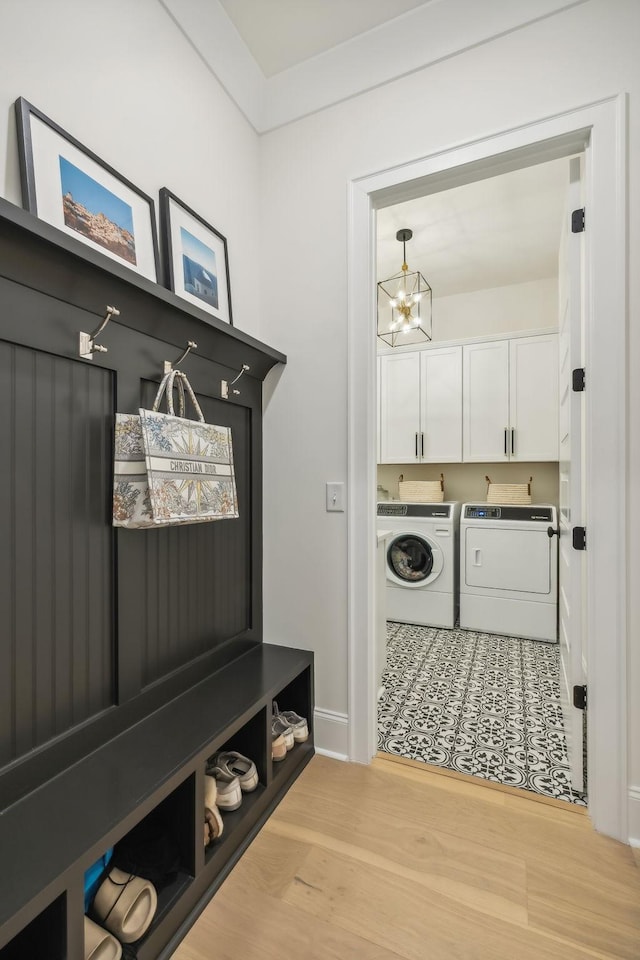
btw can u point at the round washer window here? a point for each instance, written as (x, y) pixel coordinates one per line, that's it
(410, 558)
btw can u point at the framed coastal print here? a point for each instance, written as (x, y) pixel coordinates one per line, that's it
(71, 188)
(195, 257)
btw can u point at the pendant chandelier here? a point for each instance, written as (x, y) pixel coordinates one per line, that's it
(404, 304)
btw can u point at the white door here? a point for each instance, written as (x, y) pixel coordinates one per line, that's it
(400, 408)
(571, 566)
(533, 394)
(441, 405)
(486, 401)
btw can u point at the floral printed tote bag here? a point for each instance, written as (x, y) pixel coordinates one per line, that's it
(170, 470)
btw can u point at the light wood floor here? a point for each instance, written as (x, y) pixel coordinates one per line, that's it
(391, 862)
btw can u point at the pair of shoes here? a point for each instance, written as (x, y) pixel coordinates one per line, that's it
(298, 724)
(229, 774)
(125, 905)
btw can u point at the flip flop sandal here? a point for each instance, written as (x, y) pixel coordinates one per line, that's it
(125, 905)
(99, 944)
(230, 764)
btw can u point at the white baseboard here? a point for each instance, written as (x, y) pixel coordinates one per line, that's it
(634, 816)
(331, 734)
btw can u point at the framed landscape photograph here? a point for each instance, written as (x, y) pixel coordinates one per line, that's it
(71, 188)
(195, 256)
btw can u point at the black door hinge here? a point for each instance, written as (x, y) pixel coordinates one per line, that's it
(580, 697)
(577, 380)
(577, 220)
(579, 538)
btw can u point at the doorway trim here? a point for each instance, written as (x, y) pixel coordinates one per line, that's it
(599, 130)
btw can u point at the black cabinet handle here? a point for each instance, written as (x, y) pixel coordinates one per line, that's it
(513, 440)
(553, 532)
(505, 441)
(416, 446)
(422, 445)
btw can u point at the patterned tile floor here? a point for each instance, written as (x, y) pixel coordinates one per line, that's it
(476, 703)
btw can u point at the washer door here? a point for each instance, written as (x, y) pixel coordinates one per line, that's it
(413, 560)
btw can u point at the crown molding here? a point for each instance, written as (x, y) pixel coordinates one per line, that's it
(426, 35)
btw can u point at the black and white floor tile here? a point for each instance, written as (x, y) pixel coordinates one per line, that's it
(476, 703)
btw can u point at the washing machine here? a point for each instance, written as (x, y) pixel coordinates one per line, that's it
(509, 570)
(421, 561)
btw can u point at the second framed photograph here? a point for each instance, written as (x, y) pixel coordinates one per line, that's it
(196, 260)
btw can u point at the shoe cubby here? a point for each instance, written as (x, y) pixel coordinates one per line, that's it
(160, 848)
(249, 740)
(297, 695)
(45, 936)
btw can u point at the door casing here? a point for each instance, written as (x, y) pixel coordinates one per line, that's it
(599, 130)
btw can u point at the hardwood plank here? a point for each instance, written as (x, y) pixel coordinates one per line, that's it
(395, 912)
(436, 805)
(243, 922)
(274, 861)
(595, 915)
(492, 885)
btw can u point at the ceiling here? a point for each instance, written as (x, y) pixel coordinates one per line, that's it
(280, 60)
(490, 233)
(282, 33)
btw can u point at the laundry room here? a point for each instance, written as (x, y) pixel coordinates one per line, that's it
(478, 462)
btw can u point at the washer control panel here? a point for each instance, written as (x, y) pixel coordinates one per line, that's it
(391, 509)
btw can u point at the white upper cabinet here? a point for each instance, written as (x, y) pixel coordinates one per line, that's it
(533, 398)
(421, 406)
(511, 399)
(441, 405)
(486, 401)
(400, 408)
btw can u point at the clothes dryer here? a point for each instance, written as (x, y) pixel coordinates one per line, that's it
(509, 570)
(421, 561)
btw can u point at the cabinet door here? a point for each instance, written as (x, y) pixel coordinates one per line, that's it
(400, 408)
(486, 401)
(441, 405)
(534, 403)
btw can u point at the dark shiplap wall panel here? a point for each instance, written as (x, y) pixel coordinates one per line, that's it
(55, 546)
(195, 583)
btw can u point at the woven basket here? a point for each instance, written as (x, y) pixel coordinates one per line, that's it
(421, 491)
(508, 492)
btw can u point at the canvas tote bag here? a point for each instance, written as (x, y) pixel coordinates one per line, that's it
(170, 470)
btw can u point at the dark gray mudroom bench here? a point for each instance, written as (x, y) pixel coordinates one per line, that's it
(127, 657)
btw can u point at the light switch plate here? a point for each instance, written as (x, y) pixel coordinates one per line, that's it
(335, 497)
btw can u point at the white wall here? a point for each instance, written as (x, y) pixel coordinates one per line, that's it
(306, 166)
(516, 307)
(121, 78)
